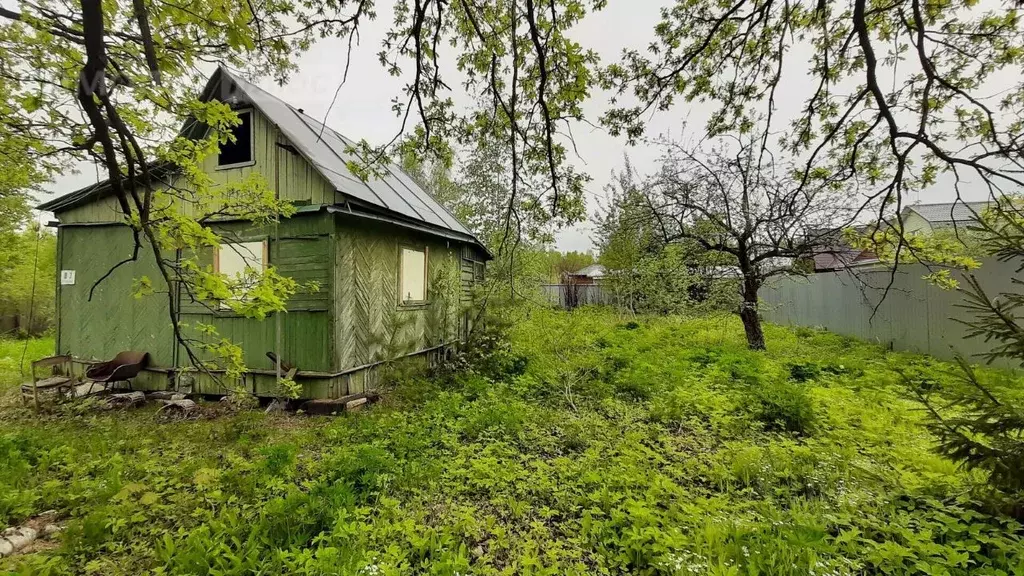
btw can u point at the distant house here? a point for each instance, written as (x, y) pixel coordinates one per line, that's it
(925, 218)
(840, 257)
(374, 246)
(592, 274)
(835, 253)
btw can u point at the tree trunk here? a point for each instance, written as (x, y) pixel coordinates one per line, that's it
(751, 319)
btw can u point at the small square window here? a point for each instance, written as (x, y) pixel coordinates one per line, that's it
(239, 152)
(241, 262)
(413, 276)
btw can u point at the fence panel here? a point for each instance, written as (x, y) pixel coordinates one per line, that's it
(915, 315)
(570, 296)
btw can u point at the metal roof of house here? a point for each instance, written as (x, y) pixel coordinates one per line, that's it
(840, 257)
(949, 211)
(592, 271)
(394, 192)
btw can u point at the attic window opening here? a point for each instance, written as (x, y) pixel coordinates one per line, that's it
(240, 152)
(413, 275)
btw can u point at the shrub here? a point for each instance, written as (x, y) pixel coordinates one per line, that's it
(804, 371)
(782, 407)
(695, 407)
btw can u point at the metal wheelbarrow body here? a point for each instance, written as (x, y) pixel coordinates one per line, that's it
(125, 366)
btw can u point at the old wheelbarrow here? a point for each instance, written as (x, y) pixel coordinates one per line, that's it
(125, 366)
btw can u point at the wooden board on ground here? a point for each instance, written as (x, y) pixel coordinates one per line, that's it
(178, 408)
(335, 405)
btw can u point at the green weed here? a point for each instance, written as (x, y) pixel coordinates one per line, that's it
(584, 445)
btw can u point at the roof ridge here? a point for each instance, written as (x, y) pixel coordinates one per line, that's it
(348, 141)
(394, 191)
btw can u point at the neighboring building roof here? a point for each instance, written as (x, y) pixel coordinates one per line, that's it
(325, 149)
(723, 272)
(829, 258)
(949, 212)
(592, 271)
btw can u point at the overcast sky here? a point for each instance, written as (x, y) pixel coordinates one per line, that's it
(363, 107)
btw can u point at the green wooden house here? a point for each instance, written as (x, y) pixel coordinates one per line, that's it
(373, 246)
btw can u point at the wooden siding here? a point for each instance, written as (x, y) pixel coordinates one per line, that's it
(366, 293)
(302, 248)
(100, 210)
(471, 269)
(114, 320)
(305, 338)
(298, 181)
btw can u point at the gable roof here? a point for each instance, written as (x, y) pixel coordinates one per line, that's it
(949, 212)
(592, 271)
(393, 194)
(840, 257)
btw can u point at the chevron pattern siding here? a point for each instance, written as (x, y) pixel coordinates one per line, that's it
(374, 290)
(366, 296)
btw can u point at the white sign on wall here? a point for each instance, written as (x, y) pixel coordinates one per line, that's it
(67, 277)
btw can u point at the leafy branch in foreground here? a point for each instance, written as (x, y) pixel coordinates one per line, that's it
(112, 82)
(900, 92)
(977, 428)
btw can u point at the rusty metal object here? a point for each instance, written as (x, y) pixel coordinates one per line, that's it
(125, 366)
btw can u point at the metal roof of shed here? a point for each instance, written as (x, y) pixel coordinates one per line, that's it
(592, 271)
(330, 153)
(949, 211)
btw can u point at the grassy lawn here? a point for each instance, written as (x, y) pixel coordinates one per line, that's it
(593, 445)
(11, 355)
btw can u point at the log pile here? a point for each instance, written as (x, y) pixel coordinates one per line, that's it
(126, 400)
(178, 409)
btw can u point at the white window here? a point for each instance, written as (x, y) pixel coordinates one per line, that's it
(241, 262)
(413, 276)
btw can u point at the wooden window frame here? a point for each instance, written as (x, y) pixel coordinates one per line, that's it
(265, 259)
(265, 256)
(426, 275)
(252, 142)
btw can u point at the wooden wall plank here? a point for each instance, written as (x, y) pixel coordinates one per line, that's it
(114, 319)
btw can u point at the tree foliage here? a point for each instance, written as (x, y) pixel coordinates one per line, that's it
(112, 83)
(648, 272)
(899, 92)
(726, 197)
(27, 281)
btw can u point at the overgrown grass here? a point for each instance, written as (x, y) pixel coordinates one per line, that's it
(11, 353)
(655, 446)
